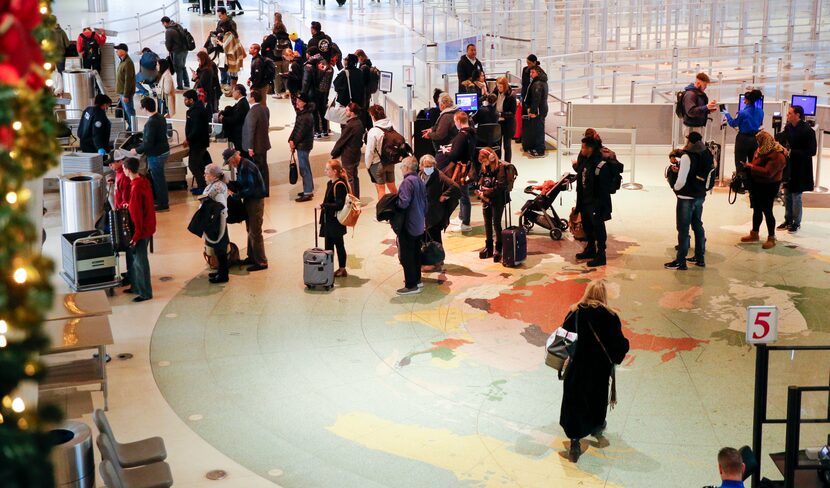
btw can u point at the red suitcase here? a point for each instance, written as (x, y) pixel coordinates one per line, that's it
(517, 136)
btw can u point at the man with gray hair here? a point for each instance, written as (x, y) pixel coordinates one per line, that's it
(444, 129)
(412, 197)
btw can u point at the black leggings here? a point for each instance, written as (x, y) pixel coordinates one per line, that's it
(337, 242)
(745, 146)
(762, 197)
(508, 128)
(493, 214)
(435, 233)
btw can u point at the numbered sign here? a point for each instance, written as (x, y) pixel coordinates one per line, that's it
(761, 324)
(409, 75)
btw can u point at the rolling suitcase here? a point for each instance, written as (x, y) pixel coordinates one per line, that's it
(513, 242)
(528, 132)
(517, 136)
(318, 264)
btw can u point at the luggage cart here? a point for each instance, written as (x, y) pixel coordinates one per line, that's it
(90, 262)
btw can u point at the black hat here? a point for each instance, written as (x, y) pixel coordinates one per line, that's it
(122, 47)
(228, 153)
(304, 97)
(694, 137)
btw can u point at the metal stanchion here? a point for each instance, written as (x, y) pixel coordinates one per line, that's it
(631, 97)
(818, 188)
(632, 184)
(560, 146)
(561, 111)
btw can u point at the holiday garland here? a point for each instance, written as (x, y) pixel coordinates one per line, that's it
(28, 148)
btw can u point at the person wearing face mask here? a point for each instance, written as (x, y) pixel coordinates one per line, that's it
(442, 198)
(347, 148)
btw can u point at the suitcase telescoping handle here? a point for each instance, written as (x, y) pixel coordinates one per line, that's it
(508, 219)
(315, 228)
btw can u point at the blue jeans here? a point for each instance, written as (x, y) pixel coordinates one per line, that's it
(690, 213)
(464, 205)
(139, 87)
(156, 164)
(304, 165)
(792, 208)
(140, 274)
(179, 60)
(129, 111)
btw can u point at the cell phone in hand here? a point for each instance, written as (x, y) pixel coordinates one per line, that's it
(722, 107)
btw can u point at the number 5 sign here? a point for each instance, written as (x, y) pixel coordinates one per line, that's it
(761, 324)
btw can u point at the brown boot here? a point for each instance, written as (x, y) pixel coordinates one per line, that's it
(769, 244)
(752, 237)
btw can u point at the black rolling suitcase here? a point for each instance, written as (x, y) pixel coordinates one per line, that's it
(528, 133)
(513, 242)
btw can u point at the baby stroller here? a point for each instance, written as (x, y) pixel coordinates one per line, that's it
(540, 210)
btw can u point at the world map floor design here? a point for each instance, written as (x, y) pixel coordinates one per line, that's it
(358, 387)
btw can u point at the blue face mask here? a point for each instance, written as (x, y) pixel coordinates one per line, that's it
(428, 171)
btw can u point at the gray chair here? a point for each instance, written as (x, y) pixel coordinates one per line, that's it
(155, 475)
(131, 454)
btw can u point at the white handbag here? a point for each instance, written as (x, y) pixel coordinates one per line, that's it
(336, 113)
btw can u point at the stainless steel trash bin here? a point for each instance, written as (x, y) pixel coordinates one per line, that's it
(72, 457)
(82, 201)
(80, 85)
(97, 5)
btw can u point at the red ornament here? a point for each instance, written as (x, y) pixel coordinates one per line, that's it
(6, 137)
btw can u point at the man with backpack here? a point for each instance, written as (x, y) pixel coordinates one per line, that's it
(694, 176)
(383, 151)
(273, 48)
(263, 72)
(176, 40)
(693, 106)
(148, 71)
(595, 183)
(89, 47)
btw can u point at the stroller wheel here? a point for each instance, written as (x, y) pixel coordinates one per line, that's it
(563, 224)
(525, 222)
(556, 234)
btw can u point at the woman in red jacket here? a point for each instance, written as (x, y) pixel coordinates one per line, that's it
(767, 170)
(143, 214)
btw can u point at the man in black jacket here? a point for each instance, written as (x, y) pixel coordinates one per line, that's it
(197, 138)
(260, 68)
(457, 161)
(301, 140)
(467, 65)
(233, 116)
(537, 110)
(696, 105)
(94, 127)
(321, 41)
(532, 61)
(349, 83)
(593, 199)
(800, 149)
(155, 146)
(176, 44)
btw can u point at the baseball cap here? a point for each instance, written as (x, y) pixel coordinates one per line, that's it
(122, 47)
(228, 153)
(120, 154)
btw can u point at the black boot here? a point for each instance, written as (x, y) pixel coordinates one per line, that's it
(589, 252)
(487, 252)
(574, 451)
(497, 253)
(599, 260)
(222, 271)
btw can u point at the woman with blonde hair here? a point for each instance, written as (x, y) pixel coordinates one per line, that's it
(492, 191)
(331, 230)
(600, 345)
(767, 171)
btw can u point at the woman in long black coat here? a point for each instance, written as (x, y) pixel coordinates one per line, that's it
(442, 198)
(600, 345)
(347, 148)
(330, 228)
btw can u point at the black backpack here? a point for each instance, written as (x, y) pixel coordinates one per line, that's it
(92, 50)
(511, 173)
(614, 166)
(679, 108)
(189, 41)
(393, 147)
(283, 43)
(269, 70)
(374, 80)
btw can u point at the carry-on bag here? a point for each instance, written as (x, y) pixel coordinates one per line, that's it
(513, 242)
(517, 135)
(318, 264)
(528, 133)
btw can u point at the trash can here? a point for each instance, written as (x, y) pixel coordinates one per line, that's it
(97, 5)
(80, 85)
(82, 201)
(72, 457)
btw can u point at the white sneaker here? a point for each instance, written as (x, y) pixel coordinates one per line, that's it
(465, 228)
(455, 221)
(420, 285)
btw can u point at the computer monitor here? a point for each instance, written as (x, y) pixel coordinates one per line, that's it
(741, 106)
(807, 102)
(468, 102)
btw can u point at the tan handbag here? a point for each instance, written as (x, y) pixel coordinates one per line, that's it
(350, 212)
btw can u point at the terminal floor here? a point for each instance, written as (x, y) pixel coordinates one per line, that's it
(358, 387)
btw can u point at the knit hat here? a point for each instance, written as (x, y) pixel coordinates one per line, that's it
(293, 36)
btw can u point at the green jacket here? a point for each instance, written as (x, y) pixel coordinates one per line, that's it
(125, 78)
(61, 41)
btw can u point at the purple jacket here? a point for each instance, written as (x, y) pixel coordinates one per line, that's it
(412, 196)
